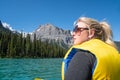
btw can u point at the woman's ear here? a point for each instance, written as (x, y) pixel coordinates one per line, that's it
(91, 33)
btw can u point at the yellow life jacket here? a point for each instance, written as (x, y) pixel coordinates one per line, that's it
(108, 59)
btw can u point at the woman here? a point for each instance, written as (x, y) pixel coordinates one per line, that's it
(94, 55)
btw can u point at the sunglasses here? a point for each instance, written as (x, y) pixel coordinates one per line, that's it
(77, 29)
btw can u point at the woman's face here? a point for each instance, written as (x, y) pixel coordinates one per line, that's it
(80, 33)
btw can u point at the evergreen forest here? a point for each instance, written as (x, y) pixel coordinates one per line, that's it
(14, 45)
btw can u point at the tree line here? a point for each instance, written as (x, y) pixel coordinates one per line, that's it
(14, 45)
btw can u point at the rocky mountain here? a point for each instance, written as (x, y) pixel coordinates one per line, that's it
(2, 28)
(52, 33)
(7, 26)
(118, 45)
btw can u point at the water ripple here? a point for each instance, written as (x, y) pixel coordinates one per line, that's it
(28, 69)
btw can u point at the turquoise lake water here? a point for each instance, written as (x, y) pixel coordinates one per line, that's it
(28, 69)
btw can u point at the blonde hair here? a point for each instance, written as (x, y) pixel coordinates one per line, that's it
(102, 30)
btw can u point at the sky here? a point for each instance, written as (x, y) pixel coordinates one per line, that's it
(27, 15)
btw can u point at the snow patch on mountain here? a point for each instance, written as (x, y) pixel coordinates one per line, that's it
(6, 25)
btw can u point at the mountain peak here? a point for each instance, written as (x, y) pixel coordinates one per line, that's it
(2, 28)
(1, 24)
(45, 27)
(49, 29)
(7, 26)
(51, 32)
